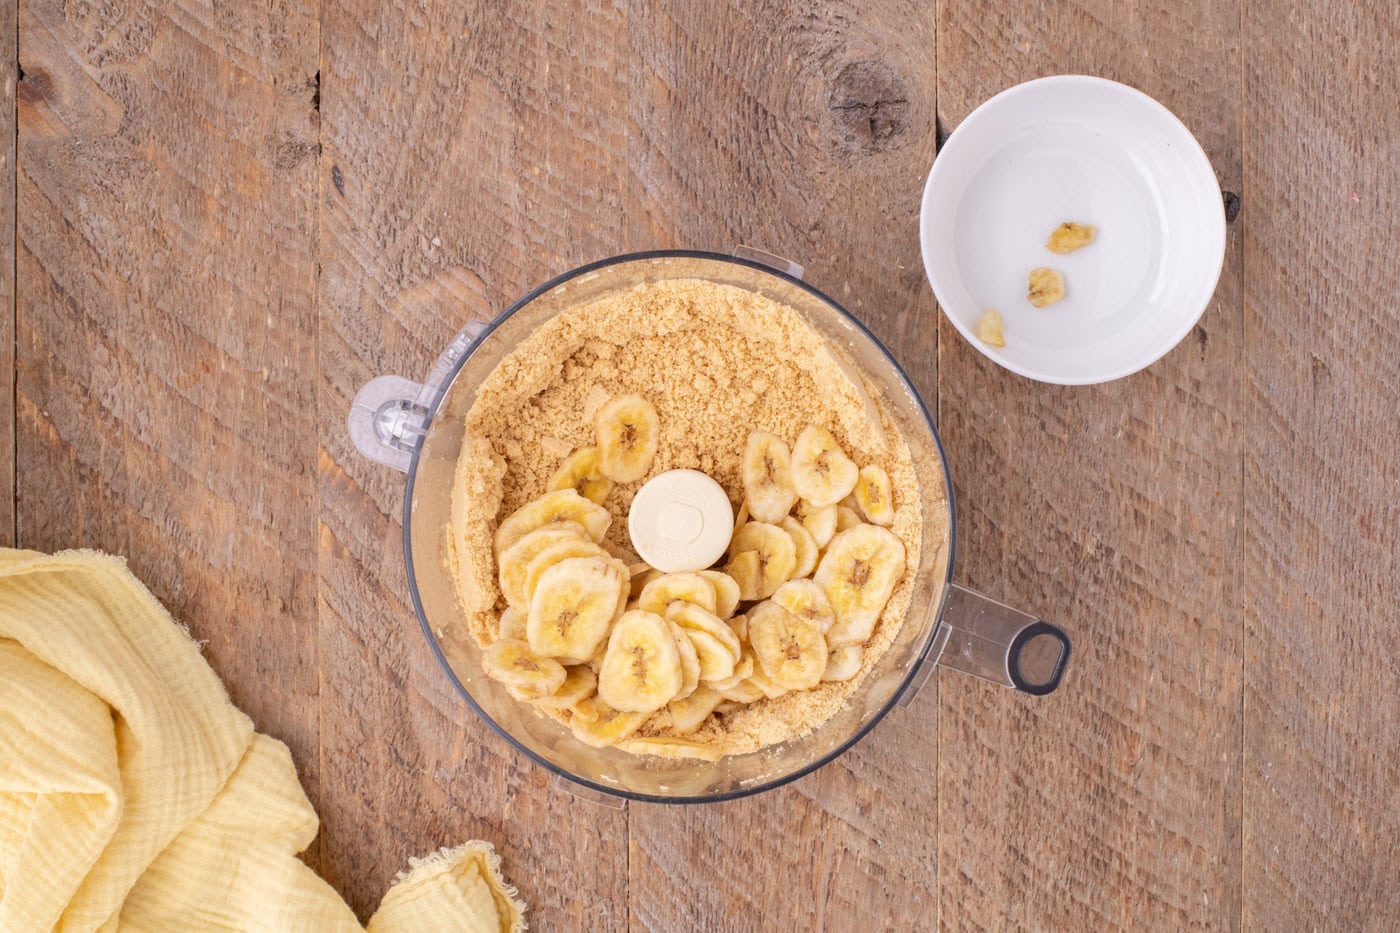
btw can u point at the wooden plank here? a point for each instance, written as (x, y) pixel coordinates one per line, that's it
(804, 129)
(1115, 511)
(166, 262)
(471, 152)
(1322, 524)
(9, 54)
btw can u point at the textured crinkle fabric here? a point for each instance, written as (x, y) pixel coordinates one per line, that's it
(133, 794)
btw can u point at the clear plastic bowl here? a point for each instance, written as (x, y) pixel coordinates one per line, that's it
(418, 428)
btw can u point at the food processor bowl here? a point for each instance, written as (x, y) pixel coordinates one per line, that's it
(418, 428)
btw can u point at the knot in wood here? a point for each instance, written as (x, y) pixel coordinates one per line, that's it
(289, 151)
(34, 85)
(870, 106)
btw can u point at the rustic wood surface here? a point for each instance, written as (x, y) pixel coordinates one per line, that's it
(1321, 547)
(9, 37)
(165, 324)
(228, 218)
(1115, 508)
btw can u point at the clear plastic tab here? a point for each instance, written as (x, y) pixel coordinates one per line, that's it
(385, 420)
(390, 413)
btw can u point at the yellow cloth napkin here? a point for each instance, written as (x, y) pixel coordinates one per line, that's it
(133, 794)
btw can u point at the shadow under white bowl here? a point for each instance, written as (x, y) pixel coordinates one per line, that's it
(1085, 149)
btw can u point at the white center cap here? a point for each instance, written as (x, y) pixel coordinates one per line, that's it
(680, 520)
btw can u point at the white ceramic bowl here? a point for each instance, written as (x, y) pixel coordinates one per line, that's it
(1074, 148)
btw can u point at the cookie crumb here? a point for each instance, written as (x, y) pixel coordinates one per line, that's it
(700, 352)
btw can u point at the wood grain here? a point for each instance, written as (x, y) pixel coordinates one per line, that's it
(1218, 533)
(804, 129)
(470, 153)
(1114, 510)
(1322, 524)
(9, 55)
(165, 323)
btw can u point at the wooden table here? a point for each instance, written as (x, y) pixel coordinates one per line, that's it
(229, 216)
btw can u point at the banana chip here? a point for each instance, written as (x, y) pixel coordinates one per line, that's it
(641, 671)
(628, 435)
(767, 475)
(858, 574)
(821, 472)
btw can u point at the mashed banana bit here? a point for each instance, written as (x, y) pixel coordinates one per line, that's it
(989, 328)
(1069, 237)
(683, 374)
(1046, 287)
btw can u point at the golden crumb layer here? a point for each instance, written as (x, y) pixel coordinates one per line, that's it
(717, 362)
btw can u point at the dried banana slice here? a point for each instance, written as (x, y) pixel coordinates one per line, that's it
(744, 692)
(514, 664)
(874, 496)
(642, 669)
(579, 684)
(1069, 236)
(549, 556)
(624, 592)
(742, 672)
(574, 604)
(690, 662)
(562, 505)
(991, 330)
(515, 560)
(665, 747)
(585, 710)
(640, 580)
(859, 573)
(607, 727)
(761, 558)
(595, 660)
(521, 694)
(806, 547)
(843, 663)
(739, 625)
(672, 587)
(695, 618)
(846, 517)
(819, 520)
(726, 592)
(821, 472)
(1045, 287)
(689, 714)
(790, 651)
(741, 517)
(511, 625)
(716, 663)
(767, 475)
(580, 472)
(765, 685)
(806, 600)
(628, 434)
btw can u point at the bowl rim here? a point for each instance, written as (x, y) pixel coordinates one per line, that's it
(1141, 98)
(915, 668)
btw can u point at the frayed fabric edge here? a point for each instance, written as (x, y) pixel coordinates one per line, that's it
(420, 865)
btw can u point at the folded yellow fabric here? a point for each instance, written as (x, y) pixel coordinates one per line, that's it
(133, 794)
